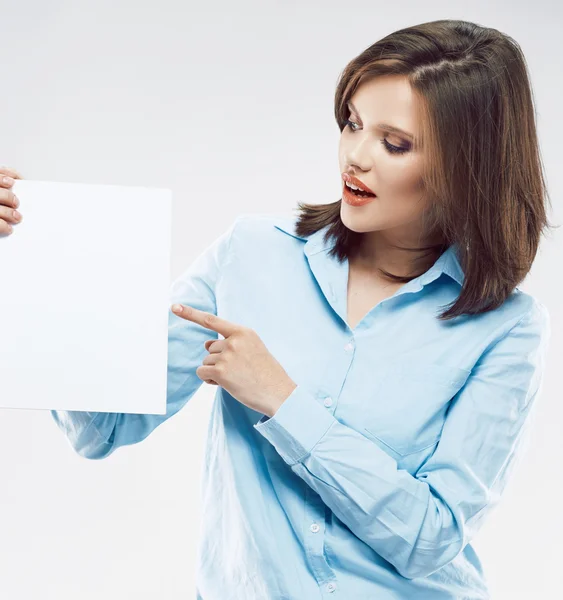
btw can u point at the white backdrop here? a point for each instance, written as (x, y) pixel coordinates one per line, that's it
(231, 106)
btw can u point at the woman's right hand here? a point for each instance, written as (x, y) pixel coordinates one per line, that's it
(8, 200)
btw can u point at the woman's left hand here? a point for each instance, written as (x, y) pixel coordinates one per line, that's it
(240, 363)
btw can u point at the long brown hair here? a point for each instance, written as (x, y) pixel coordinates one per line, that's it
(482, 163)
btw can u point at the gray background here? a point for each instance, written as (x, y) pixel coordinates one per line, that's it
(231, 106)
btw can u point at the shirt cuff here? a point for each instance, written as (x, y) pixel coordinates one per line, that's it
(297, 426)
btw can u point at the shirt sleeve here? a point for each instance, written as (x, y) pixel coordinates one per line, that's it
(96, 435)
(421, 522)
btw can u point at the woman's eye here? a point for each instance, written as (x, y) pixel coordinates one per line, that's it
(389, 147)
(350, 123)
(394, 149)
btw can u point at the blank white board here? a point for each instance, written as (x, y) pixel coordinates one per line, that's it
(84, 298)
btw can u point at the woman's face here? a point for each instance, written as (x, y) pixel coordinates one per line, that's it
(369, 152)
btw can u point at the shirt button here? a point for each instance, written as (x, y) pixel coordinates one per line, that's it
(349, 347)
(314, 528)
(328, 401)
(331, 587)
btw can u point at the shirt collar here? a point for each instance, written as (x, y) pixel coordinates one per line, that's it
(448, 262)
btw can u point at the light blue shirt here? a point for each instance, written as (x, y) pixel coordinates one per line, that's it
(372, 479)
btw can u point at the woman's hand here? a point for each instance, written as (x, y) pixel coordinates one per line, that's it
(241, 363)
(8, 200)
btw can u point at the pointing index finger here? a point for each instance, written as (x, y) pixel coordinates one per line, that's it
(205, 319)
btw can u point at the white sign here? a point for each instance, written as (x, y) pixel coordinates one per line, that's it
(84, 298)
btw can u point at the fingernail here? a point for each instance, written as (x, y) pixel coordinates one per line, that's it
(176, 308)
(8, 180)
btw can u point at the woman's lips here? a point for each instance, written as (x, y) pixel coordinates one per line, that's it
(350, 198)
(347, 178)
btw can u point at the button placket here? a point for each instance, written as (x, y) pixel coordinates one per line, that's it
(315, 515)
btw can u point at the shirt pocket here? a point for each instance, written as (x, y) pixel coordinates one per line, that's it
(409, 404)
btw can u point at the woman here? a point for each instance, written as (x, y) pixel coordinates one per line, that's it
(360, 436)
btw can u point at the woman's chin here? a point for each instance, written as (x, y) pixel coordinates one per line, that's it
(358, 222)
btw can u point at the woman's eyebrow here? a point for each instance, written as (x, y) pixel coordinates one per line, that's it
(385, 126)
